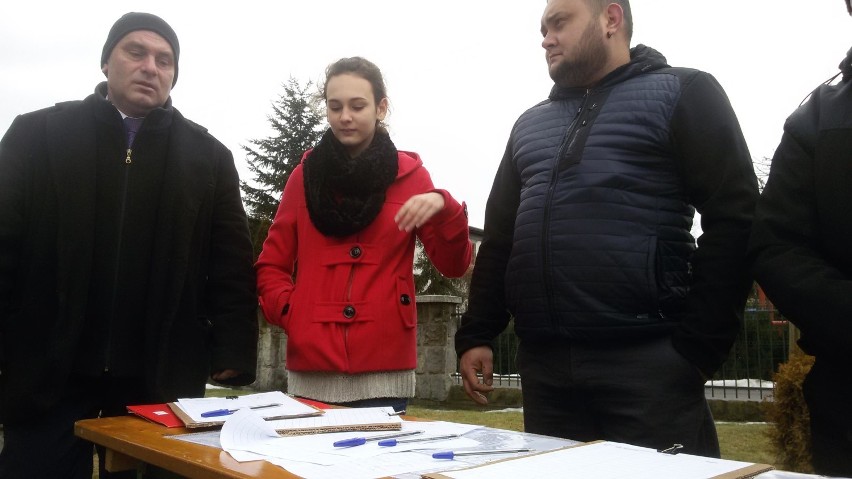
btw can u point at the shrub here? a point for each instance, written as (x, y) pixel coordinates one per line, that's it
(789, 414)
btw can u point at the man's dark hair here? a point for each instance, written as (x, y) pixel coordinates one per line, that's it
(598, 6)
(849, 6)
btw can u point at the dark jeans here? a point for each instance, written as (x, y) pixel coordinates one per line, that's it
(645, 394)
(45, 446)
(828, 393)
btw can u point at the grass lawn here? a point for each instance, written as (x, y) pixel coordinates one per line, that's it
(746, 442)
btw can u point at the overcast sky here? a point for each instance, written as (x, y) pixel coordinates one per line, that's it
(459, 72)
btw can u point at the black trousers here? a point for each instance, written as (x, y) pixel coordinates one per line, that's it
(645, 394)
(398, 404)
(46, 447)
(828, 393)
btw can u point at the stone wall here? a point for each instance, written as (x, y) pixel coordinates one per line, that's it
(437, 322)
(271, 351)
(436, 356)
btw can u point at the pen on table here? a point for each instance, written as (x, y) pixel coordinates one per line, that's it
(226, 412)
(451, 454)
(394, 442)
(357, 441)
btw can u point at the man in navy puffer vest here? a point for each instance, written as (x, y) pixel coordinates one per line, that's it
(588, 245)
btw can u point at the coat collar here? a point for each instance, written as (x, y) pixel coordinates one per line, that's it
(72, 142)
(846, 66)
(643, 59)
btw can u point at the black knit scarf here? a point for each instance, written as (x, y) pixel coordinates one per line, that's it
(344, 195)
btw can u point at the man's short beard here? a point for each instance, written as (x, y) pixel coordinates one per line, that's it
(591, 58)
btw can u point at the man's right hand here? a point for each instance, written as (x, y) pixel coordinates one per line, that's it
(477, 360)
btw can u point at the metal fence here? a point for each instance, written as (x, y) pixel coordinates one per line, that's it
(763, 344)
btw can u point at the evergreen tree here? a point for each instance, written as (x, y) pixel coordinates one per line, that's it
(428, 280)
(298, 125)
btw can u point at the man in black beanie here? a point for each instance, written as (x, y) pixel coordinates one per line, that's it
(125, 261)
(134, 21)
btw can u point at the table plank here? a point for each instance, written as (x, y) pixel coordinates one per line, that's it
(148, 442)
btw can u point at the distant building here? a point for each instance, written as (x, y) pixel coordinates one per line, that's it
(476, 236)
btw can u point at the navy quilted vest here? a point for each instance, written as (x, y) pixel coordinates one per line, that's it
(602, 236)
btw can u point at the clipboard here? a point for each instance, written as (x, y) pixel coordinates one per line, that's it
(615, 454)
(191, 423)
(187, 410)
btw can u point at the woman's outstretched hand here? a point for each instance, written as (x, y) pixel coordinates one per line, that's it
(418, 210)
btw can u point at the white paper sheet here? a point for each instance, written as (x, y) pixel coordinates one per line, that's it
(302, 455)
(245, 431)
(604, 460)
(194, 407)
(384, 465)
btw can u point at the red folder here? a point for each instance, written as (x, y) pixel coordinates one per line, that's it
(311, 402)
(158, 413)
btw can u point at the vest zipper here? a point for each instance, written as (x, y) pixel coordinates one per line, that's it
(546, 267)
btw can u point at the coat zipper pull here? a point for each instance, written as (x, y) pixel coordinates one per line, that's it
(127, 160)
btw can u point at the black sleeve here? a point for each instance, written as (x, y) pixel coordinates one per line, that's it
(486, 316)
(13, 152)
(786, 243)
(719, 179)
(230, 292)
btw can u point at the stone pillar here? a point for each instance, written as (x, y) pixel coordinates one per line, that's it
(436, 356)
(271, 351)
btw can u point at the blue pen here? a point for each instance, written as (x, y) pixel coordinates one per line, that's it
(357, 441)
(451, 454)
(394, 442)
(228, 412)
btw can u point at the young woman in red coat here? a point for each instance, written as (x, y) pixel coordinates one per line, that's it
(347, 221)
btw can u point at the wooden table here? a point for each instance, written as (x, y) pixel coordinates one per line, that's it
(131, 442)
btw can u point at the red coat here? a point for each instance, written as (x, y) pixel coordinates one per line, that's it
(351, 309)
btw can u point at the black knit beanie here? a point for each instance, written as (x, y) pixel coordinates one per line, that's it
(130, 22)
